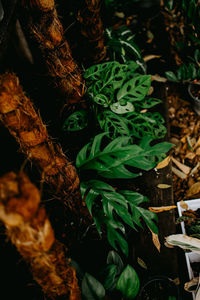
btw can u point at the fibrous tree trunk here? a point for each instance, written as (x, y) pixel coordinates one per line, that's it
(47, 30)
(29, 229)
(24, 123)
(92, 30)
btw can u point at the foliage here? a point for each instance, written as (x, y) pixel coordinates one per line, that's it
(187, 72)
(121, 46)
(112, 208)
(111, 161)
(117, 94)
(115, 276)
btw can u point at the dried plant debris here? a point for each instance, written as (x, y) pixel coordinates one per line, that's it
(185, 135)
(29, 229)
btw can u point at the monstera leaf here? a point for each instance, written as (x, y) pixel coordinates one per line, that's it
(111, 208)
(112, 160)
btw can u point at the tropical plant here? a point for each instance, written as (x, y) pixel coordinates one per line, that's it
(187, 72)
(121, 46)
(115, 276)
(116, 95)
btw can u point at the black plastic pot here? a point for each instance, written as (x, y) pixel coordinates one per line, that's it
(159, 288)
(194, 93)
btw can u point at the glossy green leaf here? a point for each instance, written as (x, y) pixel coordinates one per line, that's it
(110, 277)
(113, 124)
(135, 89)
(92, 289)
(76, 121)
(135, 199)
(171, 76)
(111, 161)
(114, 258)
(119, 109)
(147, 103)
(128, 283)
(101, 99)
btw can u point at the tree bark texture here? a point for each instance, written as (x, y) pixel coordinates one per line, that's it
(92, 31)
(47, 30)
(29, 229)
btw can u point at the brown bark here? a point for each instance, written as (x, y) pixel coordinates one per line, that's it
(30, 231)
(47, 30)
(24, 123)
(92, 30)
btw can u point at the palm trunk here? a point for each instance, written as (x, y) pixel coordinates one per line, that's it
(92, 31)
(30, 231)
(47, 31)
(24, 123)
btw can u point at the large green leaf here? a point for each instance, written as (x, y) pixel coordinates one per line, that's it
(92, 289)
(135, 89)
(135, 199)
(128, 283)
(110, 277)
(112, 160)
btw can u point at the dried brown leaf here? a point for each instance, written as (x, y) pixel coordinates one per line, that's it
(183, 205)
(155, 240)
(163, 163)
(141, 263)
(151, 56)
(161, 208)
(179, 173)
(194, 189)
(163, 186)
(185, 169)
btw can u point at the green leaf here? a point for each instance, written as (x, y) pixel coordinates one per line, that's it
(110, 277)
(92, 289)
(113, 124)
(119, 109)
(171, 76)
(76, 121)
(169, 4)
(101, 100)
(148, 103)
(128, 283)
(135, 199)
(111, 161)
(114, 258)
(135, 89)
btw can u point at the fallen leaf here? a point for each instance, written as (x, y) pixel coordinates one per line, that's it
(194, 189)
(195, 168)
(151, 56)
(155, 240)
(141, 263)
(179, 173)
(161, 208)
(163, 186)
(185, 169)
(163, 163)
(191, 155)
(183, 205)
(197, 143)
(158, 78)
(197, 151)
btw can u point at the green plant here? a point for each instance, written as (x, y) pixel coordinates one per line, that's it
(122, 48)
(117, 94)
(187, 72)
(115, 276)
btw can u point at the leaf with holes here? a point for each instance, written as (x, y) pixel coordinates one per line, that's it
(135, 199)
(102, 100)
(95, 71)
(147, 103)
(113, 124)
(111, 161)
(76, 121)
(135, 89)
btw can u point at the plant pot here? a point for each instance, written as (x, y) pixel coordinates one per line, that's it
(194, 92)
(159, 288)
